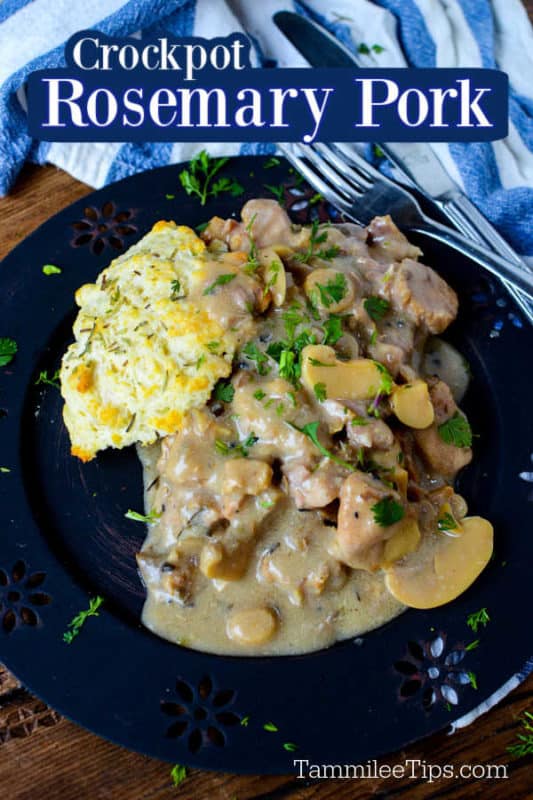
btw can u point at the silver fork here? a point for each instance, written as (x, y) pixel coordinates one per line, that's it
(353, 186)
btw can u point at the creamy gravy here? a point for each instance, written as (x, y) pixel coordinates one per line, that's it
(262, 542)
(296, 543)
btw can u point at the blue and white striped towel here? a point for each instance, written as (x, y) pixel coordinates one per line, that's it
(421, 33)
(498, 177)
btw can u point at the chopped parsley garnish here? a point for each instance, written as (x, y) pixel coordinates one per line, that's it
(224, 391)
(473, 679)
(387, 512)
(272, 274)
(232, 449)
(332, 292)
(320, 392)
(170, 197)
(332, 328)
(386, 379)
(148, 519)
(478, 618)
(251, 263)
(456, 431)
(175, 290)
(316, 239)
(385, 388)
(277, 191)
(446, 523)
(198, 179)
(524, 741)
(244, 721)
(376, 307)
(311, 431)
(178, 773)
(48, 381)
(78, 622)
(273, 161)
(316, 363)
(252, 352)
(378, 152)
(221, 280)
(472, 645)
(5, 470)
(259, 394)
(288, 352)
(288, 369)
(213, 346)
(365, 50)
(290, 747)
(359, 421)
(51, 269)
(201, 227)
(8, 348)
(269, 726)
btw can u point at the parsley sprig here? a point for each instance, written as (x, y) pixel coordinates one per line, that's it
(332, 328)
(316, 239)
(446, 522)
(224, 391)
(79, 620)
(478, 618)
(178, 773)
(149, 519)
(523, 746)
(47, 380)
(387, 512)
(8, 348)
(456, 431)
(175, 290)
(376, 307)
(197, 180)
(253, 353)
(311, 431)
(232, 449)
(331, 292)
(221, 280)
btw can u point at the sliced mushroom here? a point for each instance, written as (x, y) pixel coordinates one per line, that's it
(444, 567)
(316, 288)
(404, 540)
(359, 379)
(412, 404)
(252, 626)
(274, 276)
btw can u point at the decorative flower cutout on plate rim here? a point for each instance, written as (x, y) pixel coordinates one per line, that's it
(434, 671)
(200, 713)
(20, 595)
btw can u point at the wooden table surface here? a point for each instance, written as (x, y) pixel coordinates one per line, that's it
(45, 757)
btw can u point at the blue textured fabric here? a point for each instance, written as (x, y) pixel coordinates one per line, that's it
(498, 177)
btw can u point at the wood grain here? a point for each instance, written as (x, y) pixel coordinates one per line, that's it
(45, 757)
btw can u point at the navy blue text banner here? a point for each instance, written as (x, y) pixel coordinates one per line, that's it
(205, 90)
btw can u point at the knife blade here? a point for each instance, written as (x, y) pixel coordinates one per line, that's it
(415, 159)
(415, 163)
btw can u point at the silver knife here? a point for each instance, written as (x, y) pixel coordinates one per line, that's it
(415, 163)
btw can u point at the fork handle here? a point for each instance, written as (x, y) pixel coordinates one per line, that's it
(497, 266)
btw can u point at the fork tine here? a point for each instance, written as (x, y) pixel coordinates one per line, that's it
(316, 180)
(348, 191)
(366, 170)
(361, 183)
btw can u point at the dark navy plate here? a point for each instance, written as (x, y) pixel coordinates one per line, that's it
(64, 537)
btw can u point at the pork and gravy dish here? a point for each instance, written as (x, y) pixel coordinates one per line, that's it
(298, 420)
